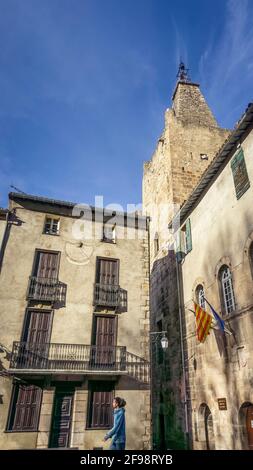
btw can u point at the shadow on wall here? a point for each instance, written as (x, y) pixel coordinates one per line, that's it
(168, 412)
(12, 219)
(232, 357)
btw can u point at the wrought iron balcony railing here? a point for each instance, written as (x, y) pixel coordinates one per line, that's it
(137, 367)
(108, 295)
(55, 357)
(46, 289)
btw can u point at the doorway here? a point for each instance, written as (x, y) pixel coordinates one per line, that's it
(62, 418)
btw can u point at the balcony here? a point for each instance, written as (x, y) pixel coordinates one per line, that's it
(108, 295)
(77, 358)
(46, 289)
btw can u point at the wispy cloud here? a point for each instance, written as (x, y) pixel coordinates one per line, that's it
(181, 52)
(226, 64)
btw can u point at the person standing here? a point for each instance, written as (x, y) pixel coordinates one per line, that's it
(118, 432)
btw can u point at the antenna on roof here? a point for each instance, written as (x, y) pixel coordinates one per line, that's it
(183, 75)
(16, 189)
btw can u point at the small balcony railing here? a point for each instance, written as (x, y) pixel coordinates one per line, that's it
(46, 289)
(108, 295)
(55, 357)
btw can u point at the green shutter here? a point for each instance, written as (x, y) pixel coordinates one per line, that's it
(240, 174)
(188, 236)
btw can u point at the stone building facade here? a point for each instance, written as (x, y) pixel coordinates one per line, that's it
(74, 325)
(189, 142)
(217, 267)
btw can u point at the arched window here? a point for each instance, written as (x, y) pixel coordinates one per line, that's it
(227, 291)
(200, 296)
(156, 243)
(251, 257)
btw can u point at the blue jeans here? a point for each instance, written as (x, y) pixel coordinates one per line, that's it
(117, 446)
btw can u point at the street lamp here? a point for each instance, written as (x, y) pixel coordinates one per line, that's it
(155, 337)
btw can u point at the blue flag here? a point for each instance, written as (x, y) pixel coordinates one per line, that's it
(217, 317)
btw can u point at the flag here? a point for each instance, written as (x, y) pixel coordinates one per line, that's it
(217, 317)
(203, 322)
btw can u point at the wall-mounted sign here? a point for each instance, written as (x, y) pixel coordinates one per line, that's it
(222, 403)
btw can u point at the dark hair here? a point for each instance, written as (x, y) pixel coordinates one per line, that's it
(120, 402)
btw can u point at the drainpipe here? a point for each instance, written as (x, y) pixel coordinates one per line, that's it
(150, 342)
(180, 307)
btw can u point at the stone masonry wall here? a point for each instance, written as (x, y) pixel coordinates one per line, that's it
(190, 133)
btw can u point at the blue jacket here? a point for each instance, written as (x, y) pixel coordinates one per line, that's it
(118, 432)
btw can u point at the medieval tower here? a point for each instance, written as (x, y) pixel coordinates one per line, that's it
(190, 140)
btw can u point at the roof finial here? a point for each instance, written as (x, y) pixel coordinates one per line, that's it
(182, 74)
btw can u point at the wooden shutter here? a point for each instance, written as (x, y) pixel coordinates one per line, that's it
(105, 331)
(26, 407)
(38, 327)
(104, 353)
(240, 174)
(47, 265)
(107, 272)
(101, 407)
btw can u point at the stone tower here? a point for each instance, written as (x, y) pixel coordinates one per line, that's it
(189, 142)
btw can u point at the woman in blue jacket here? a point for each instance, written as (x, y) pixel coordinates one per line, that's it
(118, 432)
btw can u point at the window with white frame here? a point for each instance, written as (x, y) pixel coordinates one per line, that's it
(227, 291)
(200, 296)
(51, 226)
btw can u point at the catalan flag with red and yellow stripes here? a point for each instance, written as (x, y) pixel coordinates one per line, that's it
(203, 322)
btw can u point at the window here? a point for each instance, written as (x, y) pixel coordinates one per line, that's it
(227, 292)
(251, 258)
(25, 408)
(240, 174)
(109, 233)
(184, 240)
(100, 405)
(51, 226)
(187, 236)
(156, 243)
(200, 296)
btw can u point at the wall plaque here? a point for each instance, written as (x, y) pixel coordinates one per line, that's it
(222, 403)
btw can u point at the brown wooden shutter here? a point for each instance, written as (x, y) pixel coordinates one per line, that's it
(101, 407)
(47, 265)
(27, 407)
(107, 272)
(38, 327)
(105, 331)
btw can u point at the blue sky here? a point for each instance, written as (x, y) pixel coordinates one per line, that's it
(84, 85)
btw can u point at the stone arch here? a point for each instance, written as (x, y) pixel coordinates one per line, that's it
(225, 260)
(205, 427)
(248, 253)
(223, 263)
(198, 281)
(246, 437)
